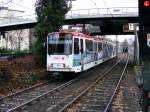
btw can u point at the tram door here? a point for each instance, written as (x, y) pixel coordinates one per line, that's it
(82, 52)
(76, 58)
(95, 51)
(78, 53)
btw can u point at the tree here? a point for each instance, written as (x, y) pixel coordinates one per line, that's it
(50, 16)
(125, 44)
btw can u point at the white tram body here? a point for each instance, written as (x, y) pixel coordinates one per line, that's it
(76, 52)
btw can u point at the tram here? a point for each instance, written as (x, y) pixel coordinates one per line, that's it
(76, 52)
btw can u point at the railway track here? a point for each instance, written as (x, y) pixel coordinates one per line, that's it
(99, 95)
(17, 101)
(54, 100)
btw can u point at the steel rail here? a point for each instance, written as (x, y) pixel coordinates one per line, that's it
(48, 92)
(81, 94)
(24, 90)
(114, 93)
(34, 99)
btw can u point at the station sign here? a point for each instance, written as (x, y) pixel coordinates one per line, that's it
(148, 39)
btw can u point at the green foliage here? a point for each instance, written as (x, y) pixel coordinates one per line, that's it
(50, 16)
(27, 78)
(3, 50)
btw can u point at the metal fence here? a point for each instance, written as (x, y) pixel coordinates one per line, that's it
(103, 12)
(82, 13)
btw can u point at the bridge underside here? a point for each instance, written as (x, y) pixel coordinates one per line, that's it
(18, 26)
(108, 25)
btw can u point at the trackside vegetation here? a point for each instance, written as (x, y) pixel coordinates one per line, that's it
(50, 16)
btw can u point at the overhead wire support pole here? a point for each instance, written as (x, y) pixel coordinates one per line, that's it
(117, 45)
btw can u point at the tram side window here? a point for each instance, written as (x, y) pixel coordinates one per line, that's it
(104, 49)
(99, 47)
(89, 46)
(76, 46)
(81, 43)
(95, 47)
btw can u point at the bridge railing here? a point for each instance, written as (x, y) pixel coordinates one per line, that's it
(103, 12)
(80, 13)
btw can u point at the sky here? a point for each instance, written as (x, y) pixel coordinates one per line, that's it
(28, 6)
(121, 38)
(83, 4)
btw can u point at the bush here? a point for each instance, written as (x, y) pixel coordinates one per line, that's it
(40, 61)
(4, 52)
(14, 53)
(27, 78)
(2, 77)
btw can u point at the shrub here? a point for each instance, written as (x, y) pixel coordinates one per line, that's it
(2, 77)
(27, 78)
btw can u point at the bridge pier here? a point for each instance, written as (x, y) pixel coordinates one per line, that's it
(136, 49)
(144, 54)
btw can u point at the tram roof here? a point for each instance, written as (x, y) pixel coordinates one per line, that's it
(82, 35)
(75, 34)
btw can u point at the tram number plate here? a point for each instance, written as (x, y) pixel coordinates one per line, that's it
(58, 65)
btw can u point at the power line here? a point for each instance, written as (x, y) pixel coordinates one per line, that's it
(29, 15)
(94, 3)
(6, 8)
(22, 6)
(104, 4)
(5, 3)
(15, 17)
(107, 7)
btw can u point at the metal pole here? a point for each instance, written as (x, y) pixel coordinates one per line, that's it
(83, 29)
(117, 45)
(136, 48)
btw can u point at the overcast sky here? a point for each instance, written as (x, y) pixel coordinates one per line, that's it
(83, 4)
(29, 5)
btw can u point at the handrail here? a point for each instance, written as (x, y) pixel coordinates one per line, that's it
(86, 13)
(103, 12)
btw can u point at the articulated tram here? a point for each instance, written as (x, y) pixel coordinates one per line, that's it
(76, 52)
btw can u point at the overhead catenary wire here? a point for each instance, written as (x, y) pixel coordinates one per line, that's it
(94, 3)
(5, 8)
(11, 2)
(104, 4)
(22, 6)
(107, 7)
(16, 17)
(5, 3)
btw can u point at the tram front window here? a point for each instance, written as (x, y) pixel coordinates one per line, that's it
(60, 44)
